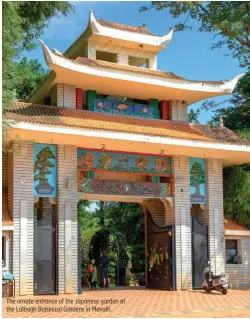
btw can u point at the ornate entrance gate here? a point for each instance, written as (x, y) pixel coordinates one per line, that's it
(160, 255)
(44, 254)
(199, 251)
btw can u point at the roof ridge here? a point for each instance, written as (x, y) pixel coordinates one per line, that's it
(124, 27)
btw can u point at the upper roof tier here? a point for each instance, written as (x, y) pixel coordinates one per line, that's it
(101, 31)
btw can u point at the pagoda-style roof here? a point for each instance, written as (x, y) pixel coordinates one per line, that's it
(127, 80)
(53, 124)
(101, 31)
(54, 115)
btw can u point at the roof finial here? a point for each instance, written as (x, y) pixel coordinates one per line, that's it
(93, 23)
(167, 38)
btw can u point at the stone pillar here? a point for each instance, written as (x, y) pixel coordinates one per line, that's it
(178, 111)
(65, 96)
(21, 200)
(67, 218)
(152, 63)
(183, 245)
(122, 58)
(215, 214)
(90, 50)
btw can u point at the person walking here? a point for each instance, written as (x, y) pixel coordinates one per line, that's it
(104, 262)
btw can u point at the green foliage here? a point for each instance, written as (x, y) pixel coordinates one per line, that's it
(229, 19)
(114, 226)
(237, 178)
(23, 22)
(237, 194)
(111, 240)
(193, 116)
(42, 164)
(236, 116)
(29, 75)
(197, 175)
(138, 258)
(89, 226)
(127, 218)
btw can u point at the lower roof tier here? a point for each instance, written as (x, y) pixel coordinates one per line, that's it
(90, 129)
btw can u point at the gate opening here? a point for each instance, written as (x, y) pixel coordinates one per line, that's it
(118, 229)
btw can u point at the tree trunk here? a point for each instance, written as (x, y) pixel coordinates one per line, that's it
(197, 190)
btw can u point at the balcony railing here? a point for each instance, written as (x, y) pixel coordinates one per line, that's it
(124, 108)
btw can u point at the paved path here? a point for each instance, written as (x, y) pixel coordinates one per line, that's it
(133, 303)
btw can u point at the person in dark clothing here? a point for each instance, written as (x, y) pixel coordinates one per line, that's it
(104, 262)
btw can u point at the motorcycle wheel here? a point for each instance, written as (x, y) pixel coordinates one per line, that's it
(224, 291)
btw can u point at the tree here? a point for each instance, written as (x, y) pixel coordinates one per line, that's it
(43, 164)
(237, 115)
(193, 116)
(29, 75)
(237, 193)
(127, 218)
(89, 223)
(114, 242)
(197, 177)
(228, 19)
(23, 22)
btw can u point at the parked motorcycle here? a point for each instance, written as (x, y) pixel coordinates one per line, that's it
(212, 282)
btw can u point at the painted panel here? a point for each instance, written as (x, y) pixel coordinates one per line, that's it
(102, 106)
(123, 162)
(124, 188)
(44, 170)
(123, 108)
(197, 181)
(144, 111)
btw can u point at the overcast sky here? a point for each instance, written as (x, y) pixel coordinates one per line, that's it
(188, 55)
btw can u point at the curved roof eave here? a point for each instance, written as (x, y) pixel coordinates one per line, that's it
(139, 75)
(141, 38)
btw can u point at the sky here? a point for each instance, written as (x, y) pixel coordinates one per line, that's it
(189, 54)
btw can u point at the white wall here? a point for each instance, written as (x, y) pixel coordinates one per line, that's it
(238, 275)
(9, 251)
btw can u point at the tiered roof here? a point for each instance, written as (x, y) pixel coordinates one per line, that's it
(59, 116)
